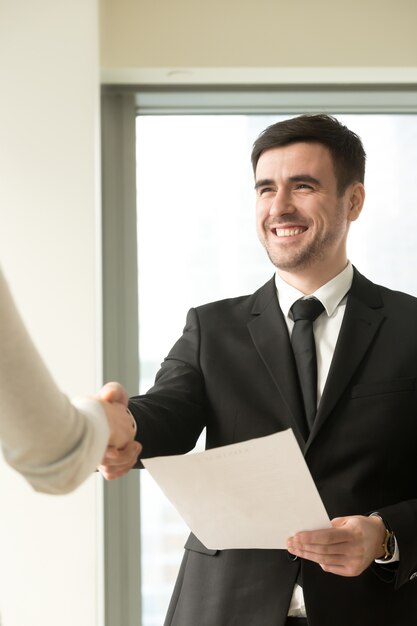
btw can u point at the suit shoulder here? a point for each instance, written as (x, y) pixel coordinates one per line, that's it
(397, 298)
(239, 305)
(379, 295)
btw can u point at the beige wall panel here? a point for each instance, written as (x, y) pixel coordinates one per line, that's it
(262, 33)
(48, 214)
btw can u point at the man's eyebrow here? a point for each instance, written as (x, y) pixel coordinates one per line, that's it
(298, 178)
(304, 178)
(264, 182)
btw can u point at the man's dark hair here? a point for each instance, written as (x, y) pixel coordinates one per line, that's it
(345, 147)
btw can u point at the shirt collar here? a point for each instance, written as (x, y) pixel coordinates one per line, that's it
(330, 294)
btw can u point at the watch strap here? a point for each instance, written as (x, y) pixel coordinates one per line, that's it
(388, 545)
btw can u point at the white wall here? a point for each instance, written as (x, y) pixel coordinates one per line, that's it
(48, 250)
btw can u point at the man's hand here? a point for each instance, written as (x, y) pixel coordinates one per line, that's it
(114, 392)
(117, 463)
(346, 549)
(123, 451)
(114, 399)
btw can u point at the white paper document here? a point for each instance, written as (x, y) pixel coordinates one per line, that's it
(253, 494)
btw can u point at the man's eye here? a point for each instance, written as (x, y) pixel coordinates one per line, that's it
(303, 186)
(265, 190)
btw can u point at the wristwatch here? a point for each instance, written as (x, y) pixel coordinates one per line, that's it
(389, 543)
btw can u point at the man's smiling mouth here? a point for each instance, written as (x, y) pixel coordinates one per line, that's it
(290, 232)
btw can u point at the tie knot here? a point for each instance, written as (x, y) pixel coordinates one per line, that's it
(306, 309)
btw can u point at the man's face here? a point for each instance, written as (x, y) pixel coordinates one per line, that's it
(301, 220)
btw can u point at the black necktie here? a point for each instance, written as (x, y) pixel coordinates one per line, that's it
(302, 340)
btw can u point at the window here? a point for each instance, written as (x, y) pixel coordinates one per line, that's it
(197, 243)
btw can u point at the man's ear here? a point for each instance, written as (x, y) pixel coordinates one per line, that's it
(356, 200)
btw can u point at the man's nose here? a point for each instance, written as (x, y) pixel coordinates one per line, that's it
(281, 204)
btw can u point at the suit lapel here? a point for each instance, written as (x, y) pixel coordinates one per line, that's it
(270, 335)
(363, 317)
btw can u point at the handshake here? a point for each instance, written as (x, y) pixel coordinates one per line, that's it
(122, 450)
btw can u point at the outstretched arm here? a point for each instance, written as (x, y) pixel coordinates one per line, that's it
(55, 443)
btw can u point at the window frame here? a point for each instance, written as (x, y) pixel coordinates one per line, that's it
(119, 537)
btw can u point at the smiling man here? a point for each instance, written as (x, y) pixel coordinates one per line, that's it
(304, 211)
(324, 351)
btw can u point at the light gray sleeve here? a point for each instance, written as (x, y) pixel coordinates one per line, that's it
(54, 443)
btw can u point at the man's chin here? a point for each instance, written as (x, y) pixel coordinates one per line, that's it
(294, 264)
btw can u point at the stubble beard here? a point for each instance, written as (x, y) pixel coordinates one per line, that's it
(312, 252)
(297, 260)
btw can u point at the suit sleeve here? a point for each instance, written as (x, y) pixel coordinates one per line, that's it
(402, 519)
(172, 414)
(44, 436)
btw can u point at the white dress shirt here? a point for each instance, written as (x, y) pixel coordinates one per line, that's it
(326, 327)
(326, 330)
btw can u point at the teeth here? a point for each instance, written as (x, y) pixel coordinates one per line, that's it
(288, 232)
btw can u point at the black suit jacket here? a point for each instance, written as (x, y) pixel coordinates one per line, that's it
(233, 372)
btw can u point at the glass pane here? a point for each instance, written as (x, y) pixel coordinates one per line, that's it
(197, 243)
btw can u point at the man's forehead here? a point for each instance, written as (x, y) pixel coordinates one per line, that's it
(310, 156)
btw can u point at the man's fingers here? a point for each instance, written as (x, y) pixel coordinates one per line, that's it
(113, 392)
(112, 473)
(117, 463)
(117, 457)
(111, 453)
(320, 549)
(326, 536)
(347, 549)
(121, 422)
